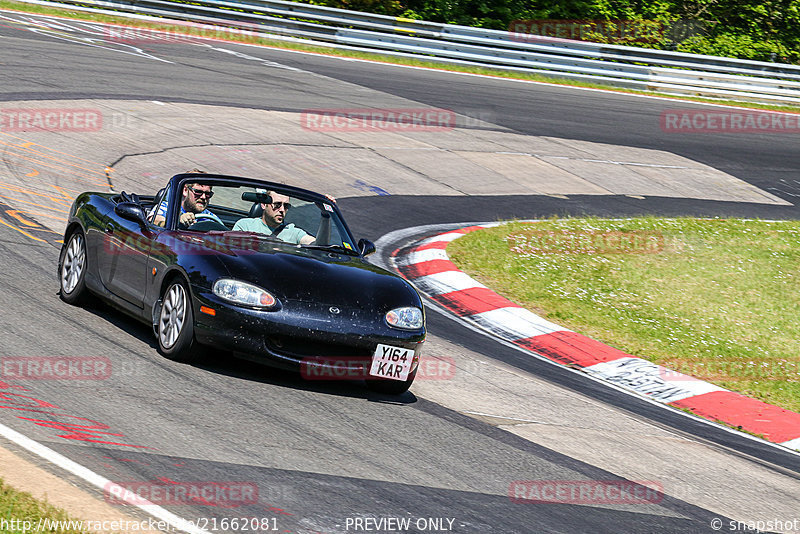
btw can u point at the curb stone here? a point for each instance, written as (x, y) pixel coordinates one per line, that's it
(426, 264)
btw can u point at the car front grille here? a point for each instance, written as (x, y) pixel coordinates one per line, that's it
(298, 348)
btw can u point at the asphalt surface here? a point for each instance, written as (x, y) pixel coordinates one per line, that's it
(322, 453)
(316, 454)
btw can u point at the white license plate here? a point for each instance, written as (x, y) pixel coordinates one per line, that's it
(391, 362)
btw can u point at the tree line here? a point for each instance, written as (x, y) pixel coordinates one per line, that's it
(763, 30)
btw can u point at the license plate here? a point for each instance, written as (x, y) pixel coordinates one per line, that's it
(391, 362)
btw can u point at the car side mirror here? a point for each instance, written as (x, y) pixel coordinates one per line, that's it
(366, 247)
(132, 212)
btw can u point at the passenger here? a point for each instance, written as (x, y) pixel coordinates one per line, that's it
(272, 222)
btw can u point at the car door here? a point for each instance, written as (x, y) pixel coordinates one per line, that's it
(123, 258)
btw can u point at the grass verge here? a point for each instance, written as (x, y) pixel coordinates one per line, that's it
(17, 508)
(715, 299)
(230, 36)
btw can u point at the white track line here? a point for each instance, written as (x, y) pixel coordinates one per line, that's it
(97, 480)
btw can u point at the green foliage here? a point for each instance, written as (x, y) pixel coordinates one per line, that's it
(739, 46)
(496, 14)
(766, 30)
(381, 7)
(20, 506)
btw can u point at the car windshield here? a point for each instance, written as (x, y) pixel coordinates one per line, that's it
(274, 214)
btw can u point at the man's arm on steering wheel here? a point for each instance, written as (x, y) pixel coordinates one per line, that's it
(189, 218)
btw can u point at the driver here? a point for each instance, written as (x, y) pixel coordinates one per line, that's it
(195, 201)
(271, 222)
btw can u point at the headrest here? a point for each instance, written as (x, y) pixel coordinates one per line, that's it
(256, 210)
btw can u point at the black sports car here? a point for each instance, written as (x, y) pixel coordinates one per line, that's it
(263, 270)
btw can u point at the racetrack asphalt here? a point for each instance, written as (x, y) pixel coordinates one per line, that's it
(322, 453)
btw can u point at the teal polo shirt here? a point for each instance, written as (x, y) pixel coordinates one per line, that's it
(290, 233)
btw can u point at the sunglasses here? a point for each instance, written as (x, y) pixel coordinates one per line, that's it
(199, 192)
(277, 205)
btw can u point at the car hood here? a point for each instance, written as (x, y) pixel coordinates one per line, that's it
(298, 273)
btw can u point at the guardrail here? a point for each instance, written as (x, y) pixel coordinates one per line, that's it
(632, 67)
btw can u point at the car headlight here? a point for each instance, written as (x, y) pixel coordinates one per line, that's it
(409, 318)
(243, 293)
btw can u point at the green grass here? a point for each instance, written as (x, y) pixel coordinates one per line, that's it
(715, 299)
(21, 506)
(497, 72)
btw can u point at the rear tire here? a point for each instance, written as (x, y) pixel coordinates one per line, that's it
(175, 330)
(72, 274)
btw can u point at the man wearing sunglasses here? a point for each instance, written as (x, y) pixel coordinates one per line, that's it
(272, 222)
(195, 201)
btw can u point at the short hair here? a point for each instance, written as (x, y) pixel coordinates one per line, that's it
(193, 171)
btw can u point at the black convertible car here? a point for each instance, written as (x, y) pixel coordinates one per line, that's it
(261, 270)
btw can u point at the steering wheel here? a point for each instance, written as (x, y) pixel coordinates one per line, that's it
(204, 222)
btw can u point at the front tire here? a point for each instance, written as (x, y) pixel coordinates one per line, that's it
(72, 275)
(176, 323)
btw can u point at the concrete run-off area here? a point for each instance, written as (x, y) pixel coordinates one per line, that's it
(54, 150)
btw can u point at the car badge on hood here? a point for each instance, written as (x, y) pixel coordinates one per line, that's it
(334, 310)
